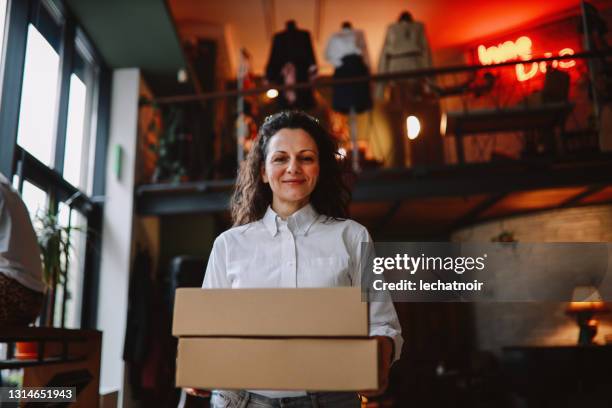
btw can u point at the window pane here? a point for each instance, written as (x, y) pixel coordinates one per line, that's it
(73, 159)
(35, 200)
(38, 97)
(74, 283)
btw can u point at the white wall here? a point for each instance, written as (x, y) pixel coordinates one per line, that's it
(117, 228)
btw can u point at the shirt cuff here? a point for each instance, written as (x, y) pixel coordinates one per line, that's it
(394, 335)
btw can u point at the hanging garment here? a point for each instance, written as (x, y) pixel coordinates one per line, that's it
(405, 48)
(347, 51)
(292, 46)
(353, 95)
(345, 42)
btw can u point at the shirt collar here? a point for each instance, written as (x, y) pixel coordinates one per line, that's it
(300, 221)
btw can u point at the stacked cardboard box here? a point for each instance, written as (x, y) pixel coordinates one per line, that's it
(274, 339)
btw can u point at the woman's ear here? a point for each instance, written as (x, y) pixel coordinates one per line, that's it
(264, 176)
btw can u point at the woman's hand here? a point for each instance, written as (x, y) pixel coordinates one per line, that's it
(197, 392)
(385, 350)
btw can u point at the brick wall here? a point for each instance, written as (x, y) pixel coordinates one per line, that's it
(543, 323)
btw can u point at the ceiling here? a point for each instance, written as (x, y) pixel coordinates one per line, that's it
(132, 33)
(145, 33)
(250, 23)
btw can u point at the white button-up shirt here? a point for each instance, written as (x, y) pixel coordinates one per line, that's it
(306, 250)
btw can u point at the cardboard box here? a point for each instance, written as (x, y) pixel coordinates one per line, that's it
(277, 364)
(295, 312)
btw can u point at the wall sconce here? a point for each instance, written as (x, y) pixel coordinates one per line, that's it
(586, 302)
(413, 127)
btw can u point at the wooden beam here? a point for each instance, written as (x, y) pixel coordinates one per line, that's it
(576, 199)
(472, 215)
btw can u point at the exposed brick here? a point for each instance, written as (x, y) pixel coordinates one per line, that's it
(541, 323)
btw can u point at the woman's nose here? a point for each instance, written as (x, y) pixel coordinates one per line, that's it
(294, 166)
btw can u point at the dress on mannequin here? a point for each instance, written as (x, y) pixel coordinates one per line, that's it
(347, 51)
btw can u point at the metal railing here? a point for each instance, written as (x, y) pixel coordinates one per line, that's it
(465, 91)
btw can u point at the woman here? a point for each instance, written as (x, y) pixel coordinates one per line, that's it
(290, 230)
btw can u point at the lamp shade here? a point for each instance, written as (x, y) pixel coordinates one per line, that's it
(586, 299)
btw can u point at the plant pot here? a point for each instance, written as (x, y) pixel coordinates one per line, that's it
(26, 350)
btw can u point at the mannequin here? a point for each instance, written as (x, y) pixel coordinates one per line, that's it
(405, 48)
(292, 61)
(347, 51)
(406, 16)
(290, 25)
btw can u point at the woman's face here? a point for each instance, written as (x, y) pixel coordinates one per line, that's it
(291, 166)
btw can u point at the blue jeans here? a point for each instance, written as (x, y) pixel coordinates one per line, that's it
(245, 399)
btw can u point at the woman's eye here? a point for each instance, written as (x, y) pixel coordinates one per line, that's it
(308, 159)
(278, 160)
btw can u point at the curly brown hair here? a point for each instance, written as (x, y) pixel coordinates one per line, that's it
(252, 196)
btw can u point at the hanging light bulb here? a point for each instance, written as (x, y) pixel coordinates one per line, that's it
(181, 76)
(272, 93)
(413, 127)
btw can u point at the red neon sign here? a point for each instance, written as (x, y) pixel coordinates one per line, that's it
(521, 49)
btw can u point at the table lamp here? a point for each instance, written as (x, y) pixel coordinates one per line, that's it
(586, 301)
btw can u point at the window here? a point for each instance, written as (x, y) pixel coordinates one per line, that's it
(38, 97)
(77, 134)
(57, 88)
(74, 287)
(74, 131)
(35, 200)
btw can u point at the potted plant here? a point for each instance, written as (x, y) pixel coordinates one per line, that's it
(167, 146)
(55, 248)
